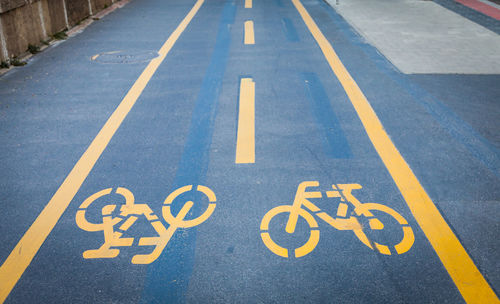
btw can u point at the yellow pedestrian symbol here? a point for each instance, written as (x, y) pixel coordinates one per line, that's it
(304, 208)
(113, 227)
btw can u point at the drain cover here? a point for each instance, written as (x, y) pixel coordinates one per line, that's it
(129, 56)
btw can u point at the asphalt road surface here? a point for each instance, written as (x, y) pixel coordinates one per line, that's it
(238, 151)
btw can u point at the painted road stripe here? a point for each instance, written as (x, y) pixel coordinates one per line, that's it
(334, 141)
(245, 140)
(469, 281)
(22, 255)
(248, 3)
(289, 29)
(249, 36)
(167, 279)
(477, 145)
(486, 9)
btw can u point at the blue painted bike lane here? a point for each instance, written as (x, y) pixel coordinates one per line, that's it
(183, 130)
(233, 263)
(144, 156)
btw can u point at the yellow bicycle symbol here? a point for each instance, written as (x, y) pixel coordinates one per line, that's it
(341, 222)
(129, 213)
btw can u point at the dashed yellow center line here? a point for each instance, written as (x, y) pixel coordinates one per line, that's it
(24, 252)
(249, 35)
(468, 279)
(245, 141)
(248, 3)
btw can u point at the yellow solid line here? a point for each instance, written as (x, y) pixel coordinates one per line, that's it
(248, 3)
(245, 141)
(20, 258)
(249, 36)
(469, 281)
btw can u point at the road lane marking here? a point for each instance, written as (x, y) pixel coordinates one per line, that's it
(468, 279)
(248, 3)
(306, 209)
(249, 35)
(192, 169)
(484, 8)
(245, 141)
(129, 214)
(24, 252)
(335, 144)
(289, 30)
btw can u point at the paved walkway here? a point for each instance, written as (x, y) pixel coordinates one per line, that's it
(238, 151)
(424, 37)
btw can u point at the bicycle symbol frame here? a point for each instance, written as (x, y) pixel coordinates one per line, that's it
(305, 208)
(129, 213)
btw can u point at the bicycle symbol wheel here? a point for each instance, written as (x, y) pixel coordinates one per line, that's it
(181, 223)
(281, 251)
(374, 224)
(81, 219)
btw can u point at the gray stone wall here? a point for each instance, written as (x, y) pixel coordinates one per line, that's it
(25, 22)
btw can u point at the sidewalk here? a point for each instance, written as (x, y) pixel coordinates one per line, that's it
(424, 37)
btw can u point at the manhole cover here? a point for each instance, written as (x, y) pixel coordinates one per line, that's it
(129, 56)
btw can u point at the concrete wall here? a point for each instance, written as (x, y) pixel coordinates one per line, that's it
(24, 22)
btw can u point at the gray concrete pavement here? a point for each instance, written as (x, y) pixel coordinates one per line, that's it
(423, 37)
